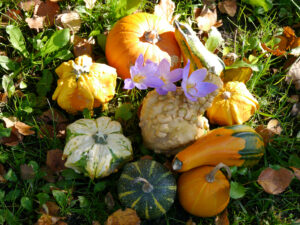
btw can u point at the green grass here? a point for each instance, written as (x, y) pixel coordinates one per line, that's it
(81, 200)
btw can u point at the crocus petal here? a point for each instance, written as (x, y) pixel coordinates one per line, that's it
(141, 86)
(128, 84)
(149, 69)
(161, 91)
(175, 75)
(186, 71)
(153, 81)
(169, 87)
(134, 71)
(205, 88)
(197, 76)
(164, 67)
(190, 97)
(139, 61)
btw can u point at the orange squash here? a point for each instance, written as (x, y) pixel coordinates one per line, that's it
(141, 33)
(204, 191)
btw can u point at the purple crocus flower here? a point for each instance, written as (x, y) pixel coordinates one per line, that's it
(193, 86)
(142, 76)
(168, 77)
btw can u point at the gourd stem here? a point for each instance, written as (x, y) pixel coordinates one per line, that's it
(226, 95)
(211, 176)
(152, 36)
(147, 187)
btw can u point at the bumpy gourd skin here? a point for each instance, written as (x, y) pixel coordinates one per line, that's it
(84, 84)
(170, 122)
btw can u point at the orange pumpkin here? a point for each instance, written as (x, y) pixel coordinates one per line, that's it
(204, 191)
(141, 33)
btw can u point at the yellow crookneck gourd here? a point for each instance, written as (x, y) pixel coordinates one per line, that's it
(84, 84)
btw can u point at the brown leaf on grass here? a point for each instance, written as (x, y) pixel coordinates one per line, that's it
(3, 98)
(275, 181)
(18, 130)
(229, 59)
(296, 172)
(165, 9)
(206, 17)
(50, 208)
(49, 174)
(268, 132)
(82, 46)
(46, 219)
(190, 222)
(27, 172)
(274, 126)
(35, 23)
(29, 5)
(54, 123)
(2, 173)
(222, 218)
(109, 201)
(293, 74)
(126, 217)
(296, 110)
(11, 14)
(69, 19)
(228, 6)
(44, 15)
(55, 161)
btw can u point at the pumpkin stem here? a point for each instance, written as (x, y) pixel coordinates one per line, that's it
(211, 176)
(152, 36)
(100, 138)
(177, 164)
(147, 187)
(226, 95)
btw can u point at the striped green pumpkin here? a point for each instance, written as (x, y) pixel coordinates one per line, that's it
(147, 187)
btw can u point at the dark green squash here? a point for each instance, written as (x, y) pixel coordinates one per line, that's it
(147, 187)
(237, 145)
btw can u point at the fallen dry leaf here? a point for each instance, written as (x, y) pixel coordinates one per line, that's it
(275, 181)
(126, 217)
(11, 14)
(55, 161)
(3, 98)
(53, 123)
(46, 219)
(274, 126)
(29, 5)
(165, 9)
(296, 110)
(2, 173)
(293, 74)
(296, 172)
(69, 19)
(90, 4)
(27, 172)
(44, 15)
(228, 6)
(206, 17)
(109, 201)
(190, 222)
(49, 174)
(50, 208)
(229, 59)
(18, 130)
(82, 46)
(222, 218)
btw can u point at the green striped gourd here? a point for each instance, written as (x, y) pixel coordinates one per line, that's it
(148, 187)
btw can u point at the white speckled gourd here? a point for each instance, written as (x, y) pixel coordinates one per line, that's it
(170, 122)
(97, 147)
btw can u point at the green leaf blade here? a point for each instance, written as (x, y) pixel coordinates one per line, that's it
(17, 39)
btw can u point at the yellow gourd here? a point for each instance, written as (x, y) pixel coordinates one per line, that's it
(84, 84)
(233, 105)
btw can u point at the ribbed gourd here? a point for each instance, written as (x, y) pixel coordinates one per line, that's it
(96, 147)
(147, 187)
